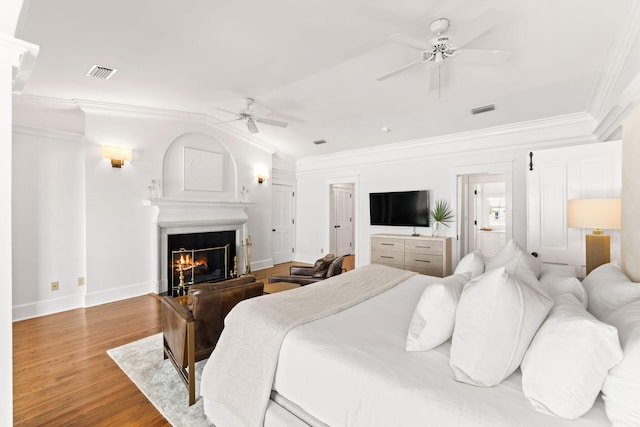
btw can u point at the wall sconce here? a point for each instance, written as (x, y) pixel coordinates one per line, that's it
(596, 214)
(262, 175)
(117, 155)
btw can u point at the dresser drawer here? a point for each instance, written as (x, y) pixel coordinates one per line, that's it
(387, 244)
(423, 246)
(392, 258)
(424, 263)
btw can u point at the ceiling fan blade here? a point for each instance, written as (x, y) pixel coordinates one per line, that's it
(272, 122)
(227, 111)
(409, 41)
(399, 70)
(251, 125)
(485, 56)
(228, 121)
(476, 28)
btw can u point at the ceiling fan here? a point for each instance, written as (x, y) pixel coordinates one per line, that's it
(251, 118)
(442, 47)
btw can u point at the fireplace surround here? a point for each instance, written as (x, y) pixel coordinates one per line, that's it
(174, 216)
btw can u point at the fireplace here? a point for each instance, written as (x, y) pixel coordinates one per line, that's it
(194, 258)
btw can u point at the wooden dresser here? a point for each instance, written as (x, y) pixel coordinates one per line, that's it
(425, 255)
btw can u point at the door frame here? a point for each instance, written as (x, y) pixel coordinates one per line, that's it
(333, 244)
(293, 216)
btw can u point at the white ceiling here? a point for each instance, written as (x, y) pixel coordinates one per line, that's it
(314, 63)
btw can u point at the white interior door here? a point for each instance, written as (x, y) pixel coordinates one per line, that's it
(560, 174)
(283, 223)
(342, 224)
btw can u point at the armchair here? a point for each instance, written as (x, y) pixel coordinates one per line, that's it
(191, 331)
(322, 269)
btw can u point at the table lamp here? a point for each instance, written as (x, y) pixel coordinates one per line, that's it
(596, 214)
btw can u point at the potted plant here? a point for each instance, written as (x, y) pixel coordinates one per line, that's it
(441, 214)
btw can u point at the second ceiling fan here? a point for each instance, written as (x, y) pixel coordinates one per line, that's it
(251, 118)
(442, 47)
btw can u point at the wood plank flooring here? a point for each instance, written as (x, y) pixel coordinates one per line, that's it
(62, 375)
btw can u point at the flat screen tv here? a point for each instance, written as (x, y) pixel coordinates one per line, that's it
(400, 208)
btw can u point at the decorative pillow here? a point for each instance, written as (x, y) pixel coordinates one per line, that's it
(609, 289)
(508, 252)
(568, 360)
(621, 390)
(496, 320)
(471, 263)
(321, 266)
(435, 314)
(561, 279)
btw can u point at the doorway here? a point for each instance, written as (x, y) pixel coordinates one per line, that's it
(341, 221)
(486, 207)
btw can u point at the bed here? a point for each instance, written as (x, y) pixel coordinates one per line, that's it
(348, 366)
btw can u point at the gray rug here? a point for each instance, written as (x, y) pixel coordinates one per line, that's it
(157, 378)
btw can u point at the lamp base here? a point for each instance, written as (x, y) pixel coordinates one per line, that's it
(598, 251)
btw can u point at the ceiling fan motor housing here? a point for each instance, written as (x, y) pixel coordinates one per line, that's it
(439, 26)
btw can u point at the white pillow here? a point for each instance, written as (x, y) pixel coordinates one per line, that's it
(434, 316)
(496, 319)
(621, 390)
(508, 252)
(471, 263)
(561, 279)
(568, 360)
(609, 289)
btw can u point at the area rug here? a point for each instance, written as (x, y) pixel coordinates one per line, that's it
(157, 378)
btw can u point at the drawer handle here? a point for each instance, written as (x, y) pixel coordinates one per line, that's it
(422, 260)
(388, 257)
(423, 247)
(387, 244)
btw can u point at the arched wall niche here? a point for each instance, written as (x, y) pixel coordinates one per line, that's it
(197, 166)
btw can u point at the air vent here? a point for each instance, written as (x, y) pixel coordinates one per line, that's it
(320, 141)
(483, 109)
(101, 72)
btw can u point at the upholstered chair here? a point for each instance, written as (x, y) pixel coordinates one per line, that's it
(191, 329)
(323, 268)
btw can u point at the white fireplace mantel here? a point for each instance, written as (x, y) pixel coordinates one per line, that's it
(177, 215)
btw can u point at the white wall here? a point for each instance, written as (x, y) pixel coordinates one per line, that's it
(431, 164)
(630, 251)
(87, 219)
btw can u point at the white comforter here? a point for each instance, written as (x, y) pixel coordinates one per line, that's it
(351, 369)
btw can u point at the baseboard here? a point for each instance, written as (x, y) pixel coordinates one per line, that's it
(50, 306)
(259, 265)
(117, 294)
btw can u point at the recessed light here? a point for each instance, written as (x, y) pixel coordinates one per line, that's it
(385, 129)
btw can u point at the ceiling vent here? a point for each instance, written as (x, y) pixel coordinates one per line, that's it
(320, 141)
(483, 109)
(101, 72)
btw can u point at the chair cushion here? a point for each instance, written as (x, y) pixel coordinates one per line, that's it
(321, 266)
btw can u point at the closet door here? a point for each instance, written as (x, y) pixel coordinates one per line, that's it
(560, 174)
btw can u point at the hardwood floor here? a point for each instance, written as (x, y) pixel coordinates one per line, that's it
(62, 375)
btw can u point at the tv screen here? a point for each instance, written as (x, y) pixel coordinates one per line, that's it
(400, 208)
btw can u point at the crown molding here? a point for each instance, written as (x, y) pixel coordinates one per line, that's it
(621, 109)
(42, 103)
(599, 104)
(562, 130)
(21, 56)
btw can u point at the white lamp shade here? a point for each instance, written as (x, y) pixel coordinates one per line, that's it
(595, 213)
(116, 153)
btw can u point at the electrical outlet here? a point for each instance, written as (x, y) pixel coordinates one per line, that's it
(80, 281)
(55, 286)
(321, 250)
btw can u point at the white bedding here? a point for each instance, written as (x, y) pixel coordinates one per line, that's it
(351, 369)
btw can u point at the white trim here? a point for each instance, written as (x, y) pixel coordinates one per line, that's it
(569, 129)
(48, 306)
(609, 125)
(614, 64)
(117, 293)
(20, 55)
(47, 133)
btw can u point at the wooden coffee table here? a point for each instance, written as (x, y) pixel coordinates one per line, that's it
(272, 288)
